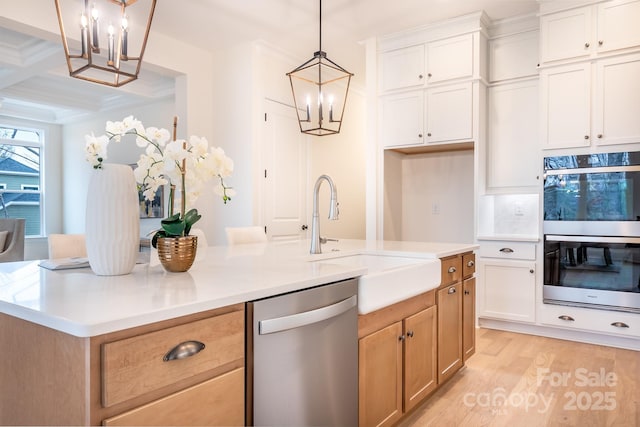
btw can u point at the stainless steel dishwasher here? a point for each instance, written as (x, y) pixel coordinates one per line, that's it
(302, 358)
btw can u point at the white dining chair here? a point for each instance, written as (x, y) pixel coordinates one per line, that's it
(242, 235)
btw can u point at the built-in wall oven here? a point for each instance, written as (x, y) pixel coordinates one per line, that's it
(592, 230)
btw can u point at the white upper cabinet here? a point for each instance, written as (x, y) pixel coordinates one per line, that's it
(441, 114)
(449, 113)
(512, 143)
(574, 116)
(618, 25)
(617, 100)
(513, 56)
(565, 106)
(402, 68)
(565, 35)
(450, 59)
(402, 123)
(582, 32)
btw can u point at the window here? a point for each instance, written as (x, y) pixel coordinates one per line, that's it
(20, 164)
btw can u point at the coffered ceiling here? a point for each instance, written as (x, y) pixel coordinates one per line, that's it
(34, 81)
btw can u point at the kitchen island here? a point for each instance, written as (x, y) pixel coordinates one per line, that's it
(75, 339)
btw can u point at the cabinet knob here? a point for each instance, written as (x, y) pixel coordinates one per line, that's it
(532, 271)
(451, 290)
(401, 338)
(587, 45)
(451, 270)
(428, 133)
(410, 334)
(419, 135)
(304, 227)
(471, 264)
(429, 74)
(599, 136)
(467, 292)
(600, 42)
(565, 317)
(586, 137)
(420, 76)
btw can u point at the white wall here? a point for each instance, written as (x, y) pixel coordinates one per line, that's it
(343, 158)
(244, 77)
(77, 172)
(437, 197)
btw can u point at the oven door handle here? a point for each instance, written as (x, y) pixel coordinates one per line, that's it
(591, 239)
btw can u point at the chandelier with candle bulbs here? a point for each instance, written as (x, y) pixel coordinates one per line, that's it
(320, 88)
(105, 39)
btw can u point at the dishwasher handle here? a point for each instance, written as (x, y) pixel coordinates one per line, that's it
(279, 324)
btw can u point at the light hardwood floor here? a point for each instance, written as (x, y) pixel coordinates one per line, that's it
(524, 380)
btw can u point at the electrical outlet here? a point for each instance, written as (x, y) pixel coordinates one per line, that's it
(518, 210)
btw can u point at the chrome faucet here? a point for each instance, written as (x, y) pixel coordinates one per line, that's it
(316, 240)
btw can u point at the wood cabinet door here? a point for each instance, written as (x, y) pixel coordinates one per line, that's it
(380, 377)
(617, 104)
(449, 301)
(468, 318)
(216, 402)
(420, 356)
(565, 106)
(566, 35)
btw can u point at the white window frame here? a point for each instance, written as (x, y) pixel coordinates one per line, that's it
(40, 146)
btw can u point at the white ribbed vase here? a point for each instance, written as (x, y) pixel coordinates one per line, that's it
(112, 222)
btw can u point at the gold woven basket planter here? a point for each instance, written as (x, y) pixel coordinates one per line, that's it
(177, 254)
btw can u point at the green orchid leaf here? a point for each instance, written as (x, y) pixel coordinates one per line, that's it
(191, 218)
(156, 236)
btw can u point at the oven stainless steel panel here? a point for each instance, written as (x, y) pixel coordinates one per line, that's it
(592, 228)
(594, 271)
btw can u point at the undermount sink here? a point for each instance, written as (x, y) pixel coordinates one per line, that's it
(390, 278)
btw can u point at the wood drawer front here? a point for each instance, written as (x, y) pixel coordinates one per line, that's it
(451, 270)
(134, 366)
(468, 264)
(508, 250)
(216, 402)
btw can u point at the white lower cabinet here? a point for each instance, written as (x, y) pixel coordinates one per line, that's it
(507, 281)
(590, 320)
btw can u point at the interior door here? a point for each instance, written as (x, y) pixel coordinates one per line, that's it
(285, 173)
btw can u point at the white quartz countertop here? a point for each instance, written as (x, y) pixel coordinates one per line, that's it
(80, 303)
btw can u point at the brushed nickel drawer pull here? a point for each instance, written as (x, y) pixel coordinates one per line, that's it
(620, 325)
(451, 270)
(471, 264)
(184, 350)
(451, 290)
(506, 250)
(565, 317)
